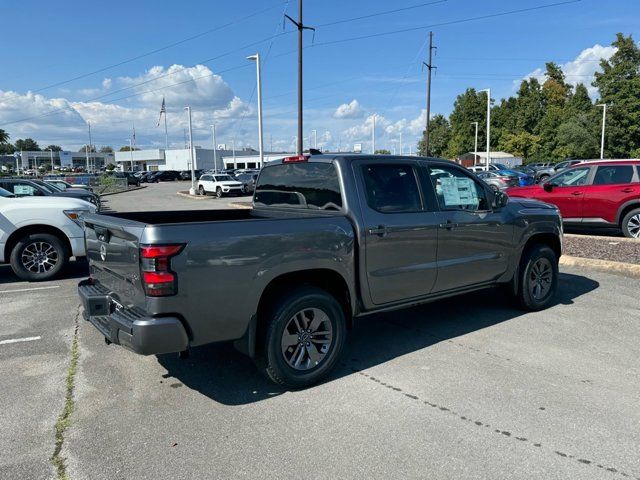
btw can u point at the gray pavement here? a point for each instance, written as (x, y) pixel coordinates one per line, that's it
(462, 388)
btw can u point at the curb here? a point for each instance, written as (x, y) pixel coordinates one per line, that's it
(627, 269)
(123, 191)
(242, 205)
(604, 238)
(186, 194)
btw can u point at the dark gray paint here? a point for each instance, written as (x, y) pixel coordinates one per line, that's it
(228, 263)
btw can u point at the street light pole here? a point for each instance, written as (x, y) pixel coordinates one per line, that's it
(192, 190)
(475, 144)
(256, 57)
(131, 152)
(400, 143)
(90, 152)
(215, 153)
(604, 121)
(488, 90)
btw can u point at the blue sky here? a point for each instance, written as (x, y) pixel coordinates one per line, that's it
(346, 83)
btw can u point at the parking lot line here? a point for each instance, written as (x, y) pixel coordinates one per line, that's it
(30, 289)
(19, 340)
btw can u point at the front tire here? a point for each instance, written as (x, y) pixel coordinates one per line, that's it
(304, 338)
(538, 278)
(201, 190)
(38, 257)
(631, 224)
(219, 192)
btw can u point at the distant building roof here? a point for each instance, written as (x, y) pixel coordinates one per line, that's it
(482, 155)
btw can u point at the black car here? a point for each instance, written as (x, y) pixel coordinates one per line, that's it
(131, 178)
(166, 176)
(248, 181)
(22, 187)
(186, 174)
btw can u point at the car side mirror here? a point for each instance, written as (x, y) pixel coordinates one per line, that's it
(500, 200)
(547, 186)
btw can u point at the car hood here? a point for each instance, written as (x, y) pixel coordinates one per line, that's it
(231, 183)
(529, 191)
(531, 203)
(53, 201)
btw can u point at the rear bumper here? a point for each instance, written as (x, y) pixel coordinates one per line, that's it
(131, 328)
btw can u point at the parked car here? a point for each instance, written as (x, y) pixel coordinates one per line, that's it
(64, 186)
(166, 176)
(545, 172)
(524, 179)
(330, 238)
(39, 234)
(498, 181)
(594, 194)
(248, 181)
(493, 167)
(186, 174)
(22, 187)
(130, 176)
(220, 184)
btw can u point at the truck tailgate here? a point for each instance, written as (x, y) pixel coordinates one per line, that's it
(113, 253)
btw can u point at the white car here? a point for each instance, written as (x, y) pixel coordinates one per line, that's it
(38, 235)
(219, 184)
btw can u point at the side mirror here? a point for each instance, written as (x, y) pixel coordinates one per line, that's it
(500, 200)
(547, 186)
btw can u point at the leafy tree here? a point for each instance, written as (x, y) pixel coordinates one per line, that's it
(383, 151)
(556, 91)
(577, 137)
(126, 148)
(439, 136)
(106, 149)
(110, 167)
(529, 106)
(53, 148)
(469, 107)
(7, 149)
(522, 144)
(90, 149)
(619, 87)
(28, 144)
(579, 102)
(4, 136)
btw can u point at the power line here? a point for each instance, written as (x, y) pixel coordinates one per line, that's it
(387, 12)
(151, 52)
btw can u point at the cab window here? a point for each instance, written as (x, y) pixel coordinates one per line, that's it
(391, 188)
(455, 190)
(573, 177)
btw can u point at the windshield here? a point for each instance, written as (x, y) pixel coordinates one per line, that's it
(55, 186)
(224, 178)
(47, 188)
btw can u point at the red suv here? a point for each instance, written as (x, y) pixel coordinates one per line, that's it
(602, 193)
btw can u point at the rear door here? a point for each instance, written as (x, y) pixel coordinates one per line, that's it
(401, 231)
(567, 190)
(612, 186)
(474, 240)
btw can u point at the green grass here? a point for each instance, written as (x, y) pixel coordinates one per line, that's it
(64, 420)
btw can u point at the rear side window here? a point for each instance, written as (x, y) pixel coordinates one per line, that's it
(391, 188)
(613, 174)
(22, 189)
(304, 185)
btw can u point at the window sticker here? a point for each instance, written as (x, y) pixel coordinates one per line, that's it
(458, 191)
(23, 190)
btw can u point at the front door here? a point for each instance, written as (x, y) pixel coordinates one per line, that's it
(566, 191)
(474, 240)
(400, 231)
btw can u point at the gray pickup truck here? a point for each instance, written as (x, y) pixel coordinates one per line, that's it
(330, 238)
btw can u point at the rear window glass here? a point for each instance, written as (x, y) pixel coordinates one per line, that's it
(304, 185)
(391, 188)
(613, 174)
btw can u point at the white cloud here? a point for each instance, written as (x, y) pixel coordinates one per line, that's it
(581, 69)
(106, 83)
(349, 110)
(197, 86)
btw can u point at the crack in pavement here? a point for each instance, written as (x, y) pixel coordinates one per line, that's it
(494, 428)
(64, 420)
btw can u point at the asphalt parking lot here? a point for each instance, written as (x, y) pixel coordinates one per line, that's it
(454, 389)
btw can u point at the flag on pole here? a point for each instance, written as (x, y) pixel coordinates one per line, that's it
(162, 110)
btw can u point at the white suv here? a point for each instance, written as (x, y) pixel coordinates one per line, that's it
(219, 184)
(38, 235)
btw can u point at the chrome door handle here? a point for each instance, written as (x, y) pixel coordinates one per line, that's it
(627, 190)
(576, 193)
(381, 231)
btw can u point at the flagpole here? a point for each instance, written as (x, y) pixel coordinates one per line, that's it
(166, 135)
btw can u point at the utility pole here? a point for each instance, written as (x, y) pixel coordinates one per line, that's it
(429, 67)
(315, 138)
(604, 121)
(215, 147)
(235, 162)
(90, 152)
(130, 153)
(373, 135)
(400, 143)
(301, 28)
(256, 57)
(488, 91)
(192, 190)
(475, 145)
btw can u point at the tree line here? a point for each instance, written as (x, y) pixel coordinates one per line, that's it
(551, 120)
(30, 145)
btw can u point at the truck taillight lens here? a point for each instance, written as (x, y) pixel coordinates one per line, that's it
(295, 159)
(155, 264)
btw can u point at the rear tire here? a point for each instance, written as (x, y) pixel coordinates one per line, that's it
(543, 178)
(201, 190)
(538, 278)
(304, 338)
(631, 224)
(38, 257)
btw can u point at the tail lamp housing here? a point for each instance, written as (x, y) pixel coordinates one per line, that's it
(158, 280)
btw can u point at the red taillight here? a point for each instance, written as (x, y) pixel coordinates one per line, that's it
(297, 158)
(155, 263)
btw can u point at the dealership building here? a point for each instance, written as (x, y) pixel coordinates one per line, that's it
(180, 159)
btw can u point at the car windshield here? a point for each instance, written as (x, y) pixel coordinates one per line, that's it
(224, 178)
(6, 193)
(55, 186)
(45, 187)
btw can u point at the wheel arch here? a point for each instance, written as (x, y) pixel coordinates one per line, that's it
(626, 208)
(33, 229)
(552, 240)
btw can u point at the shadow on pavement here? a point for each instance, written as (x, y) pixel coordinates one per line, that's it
(228, 377)
(77, 269)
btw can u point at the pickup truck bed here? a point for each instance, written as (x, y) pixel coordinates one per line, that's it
(330, 238)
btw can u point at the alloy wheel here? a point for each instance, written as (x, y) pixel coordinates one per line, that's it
(540, 278)
(306, 339)
(39, 257)
(633, 226)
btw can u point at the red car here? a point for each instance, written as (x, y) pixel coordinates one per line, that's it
(603, 193)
